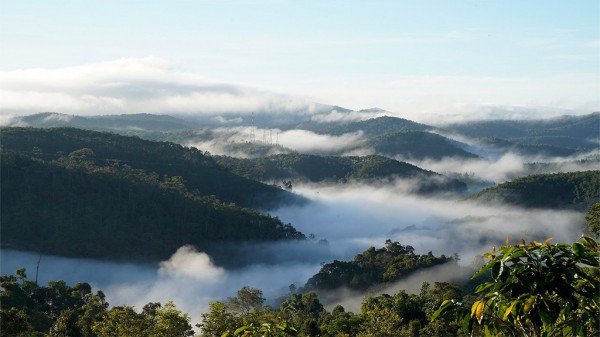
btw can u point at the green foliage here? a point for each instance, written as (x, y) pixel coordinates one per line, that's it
(279, 329)
(73, 207)
(373, 266)
(57, 309)
(246, 299)
(371, 127)
(593, 219)
(332, 169)
(557, 190)
(197, 168)
(540, 289)
(417, 145)
(218, 320)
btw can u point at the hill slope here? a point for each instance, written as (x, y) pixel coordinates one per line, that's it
(567, 131)
(197, 168)
(371, 127)
(417, 145)
(558, 190)
(72, 207)
(296, 167)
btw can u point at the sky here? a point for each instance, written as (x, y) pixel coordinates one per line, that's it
(414, 58)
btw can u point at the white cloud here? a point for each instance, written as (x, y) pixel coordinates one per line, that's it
(441, 99)
(216, 140)
(134, 85)
(188, 262)
(307, 141)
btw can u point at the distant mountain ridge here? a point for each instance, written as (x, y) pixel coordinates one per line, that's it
(567, 131)
(554, 137)
(140, 121)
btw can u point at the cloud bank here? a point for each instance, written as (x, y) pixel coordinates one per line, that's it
(153, 85)
(217, 140)
(134, 85)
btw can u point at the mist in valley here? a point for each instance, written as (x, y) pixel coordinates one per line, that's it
(344, 220)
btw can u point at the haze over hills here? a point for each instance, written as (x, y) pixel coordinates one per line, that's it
(302, 168)
(563, 136)
(104, 195)
(299, 168)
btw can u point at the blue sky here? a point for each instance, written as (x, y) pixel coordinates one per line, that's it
(403, 56)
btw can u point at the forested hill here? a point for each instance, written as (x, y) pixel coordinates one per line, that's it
(417, 145)
(197, 168)
(558, 190)
(71, 206)
(371, 127)
(296, 167)
(373, 267)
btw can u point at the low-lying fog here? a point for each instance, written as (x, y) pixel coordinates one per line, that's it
(350, 218)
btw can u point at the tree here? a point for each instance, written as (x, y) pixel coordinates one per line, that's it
(593, 219)
(218, 320)
(13, 322)
(66, 325)
(271, 329)
(539, 289)
(170, 322)
(122, 321)
(21, 275)
(246, 299)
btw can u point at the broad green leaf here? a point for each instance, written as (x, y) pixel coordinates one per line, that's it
(590, 242)
(447, 304)
(483, 287)
(487, 331)
(466, 323)
(545, 317)
(505, 273)
(497, 269)
(242, 329)
(508, 252)
(578, 249)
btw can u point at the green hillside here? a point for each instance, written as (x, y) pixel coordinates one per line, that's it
(71, 206)
(371, 127)
(372, 267)
(296, 167)
(558, 190)
(197, 168)
(417, 145)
